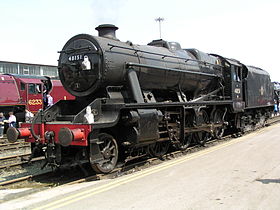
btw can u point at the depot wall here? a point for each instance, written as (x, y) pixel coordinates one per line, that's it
(7, 67)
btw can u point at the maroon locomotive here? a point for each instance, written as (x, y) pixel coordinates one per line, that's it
(21, 92)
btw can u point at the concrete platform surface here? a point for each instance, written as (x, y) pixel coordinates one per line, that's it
(243, 173)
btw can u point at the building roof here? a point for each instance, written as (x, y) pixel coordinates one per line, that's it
(32, 64)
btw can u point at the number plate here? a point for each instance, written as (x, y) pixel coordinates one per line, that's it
(75, 57)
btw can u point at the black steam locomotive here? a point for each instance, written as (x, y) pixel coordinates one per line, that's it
(133, 100)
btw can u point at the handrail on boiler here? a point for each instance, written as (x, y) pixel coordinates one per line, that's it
(163, 55)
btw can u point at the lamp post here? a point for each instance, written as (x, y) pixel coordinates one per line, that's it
(159, 20)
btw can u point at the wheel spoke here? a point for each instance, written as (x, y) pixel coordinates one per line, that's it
(103, 150)
(108, 145)
(109, 151)
(218, 118)
(202, 136)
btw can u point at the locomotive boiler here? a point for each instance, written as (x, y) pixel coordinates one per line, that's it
(88, 64)
(134, 100)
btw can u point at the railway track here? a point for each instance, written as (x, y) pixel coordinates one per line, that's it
(274, 119)
(13, 159)
(13, 146)
(130, 167)
(16, 160)
(13, 154)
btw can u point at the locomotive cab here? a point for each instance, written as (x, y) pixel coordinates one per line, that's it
(235, 71)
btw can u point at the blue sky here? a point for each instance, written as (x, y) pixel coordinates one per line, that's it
(34, 30)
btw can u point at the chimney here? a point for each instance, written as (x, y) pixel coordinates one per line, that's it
(107, 31)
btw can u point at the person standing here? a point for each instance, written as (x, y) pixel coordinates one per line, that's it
(28, 116)
(45, 100)
(50, 100)
(277, 101)
(12, 120)
(89, 116)
(2, 119)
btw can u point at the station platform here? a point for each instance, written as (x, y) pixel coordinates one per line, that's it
(243, 173)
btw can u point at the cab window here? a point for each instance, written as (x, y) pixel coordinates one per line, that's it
(22, 86)
(31, 88)
(237, 75)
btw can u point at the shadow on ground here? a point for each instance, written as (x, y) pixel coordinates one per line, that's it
(268, 181)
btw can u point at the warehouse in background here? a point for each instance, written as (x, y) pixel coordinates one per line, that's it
(7, 67)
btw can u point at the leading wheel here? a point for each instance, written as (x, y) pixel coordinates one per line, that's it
(109, 150)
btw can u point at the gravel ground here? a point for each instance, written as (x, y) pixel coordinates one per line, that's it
(21, 171)
(18, 171)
